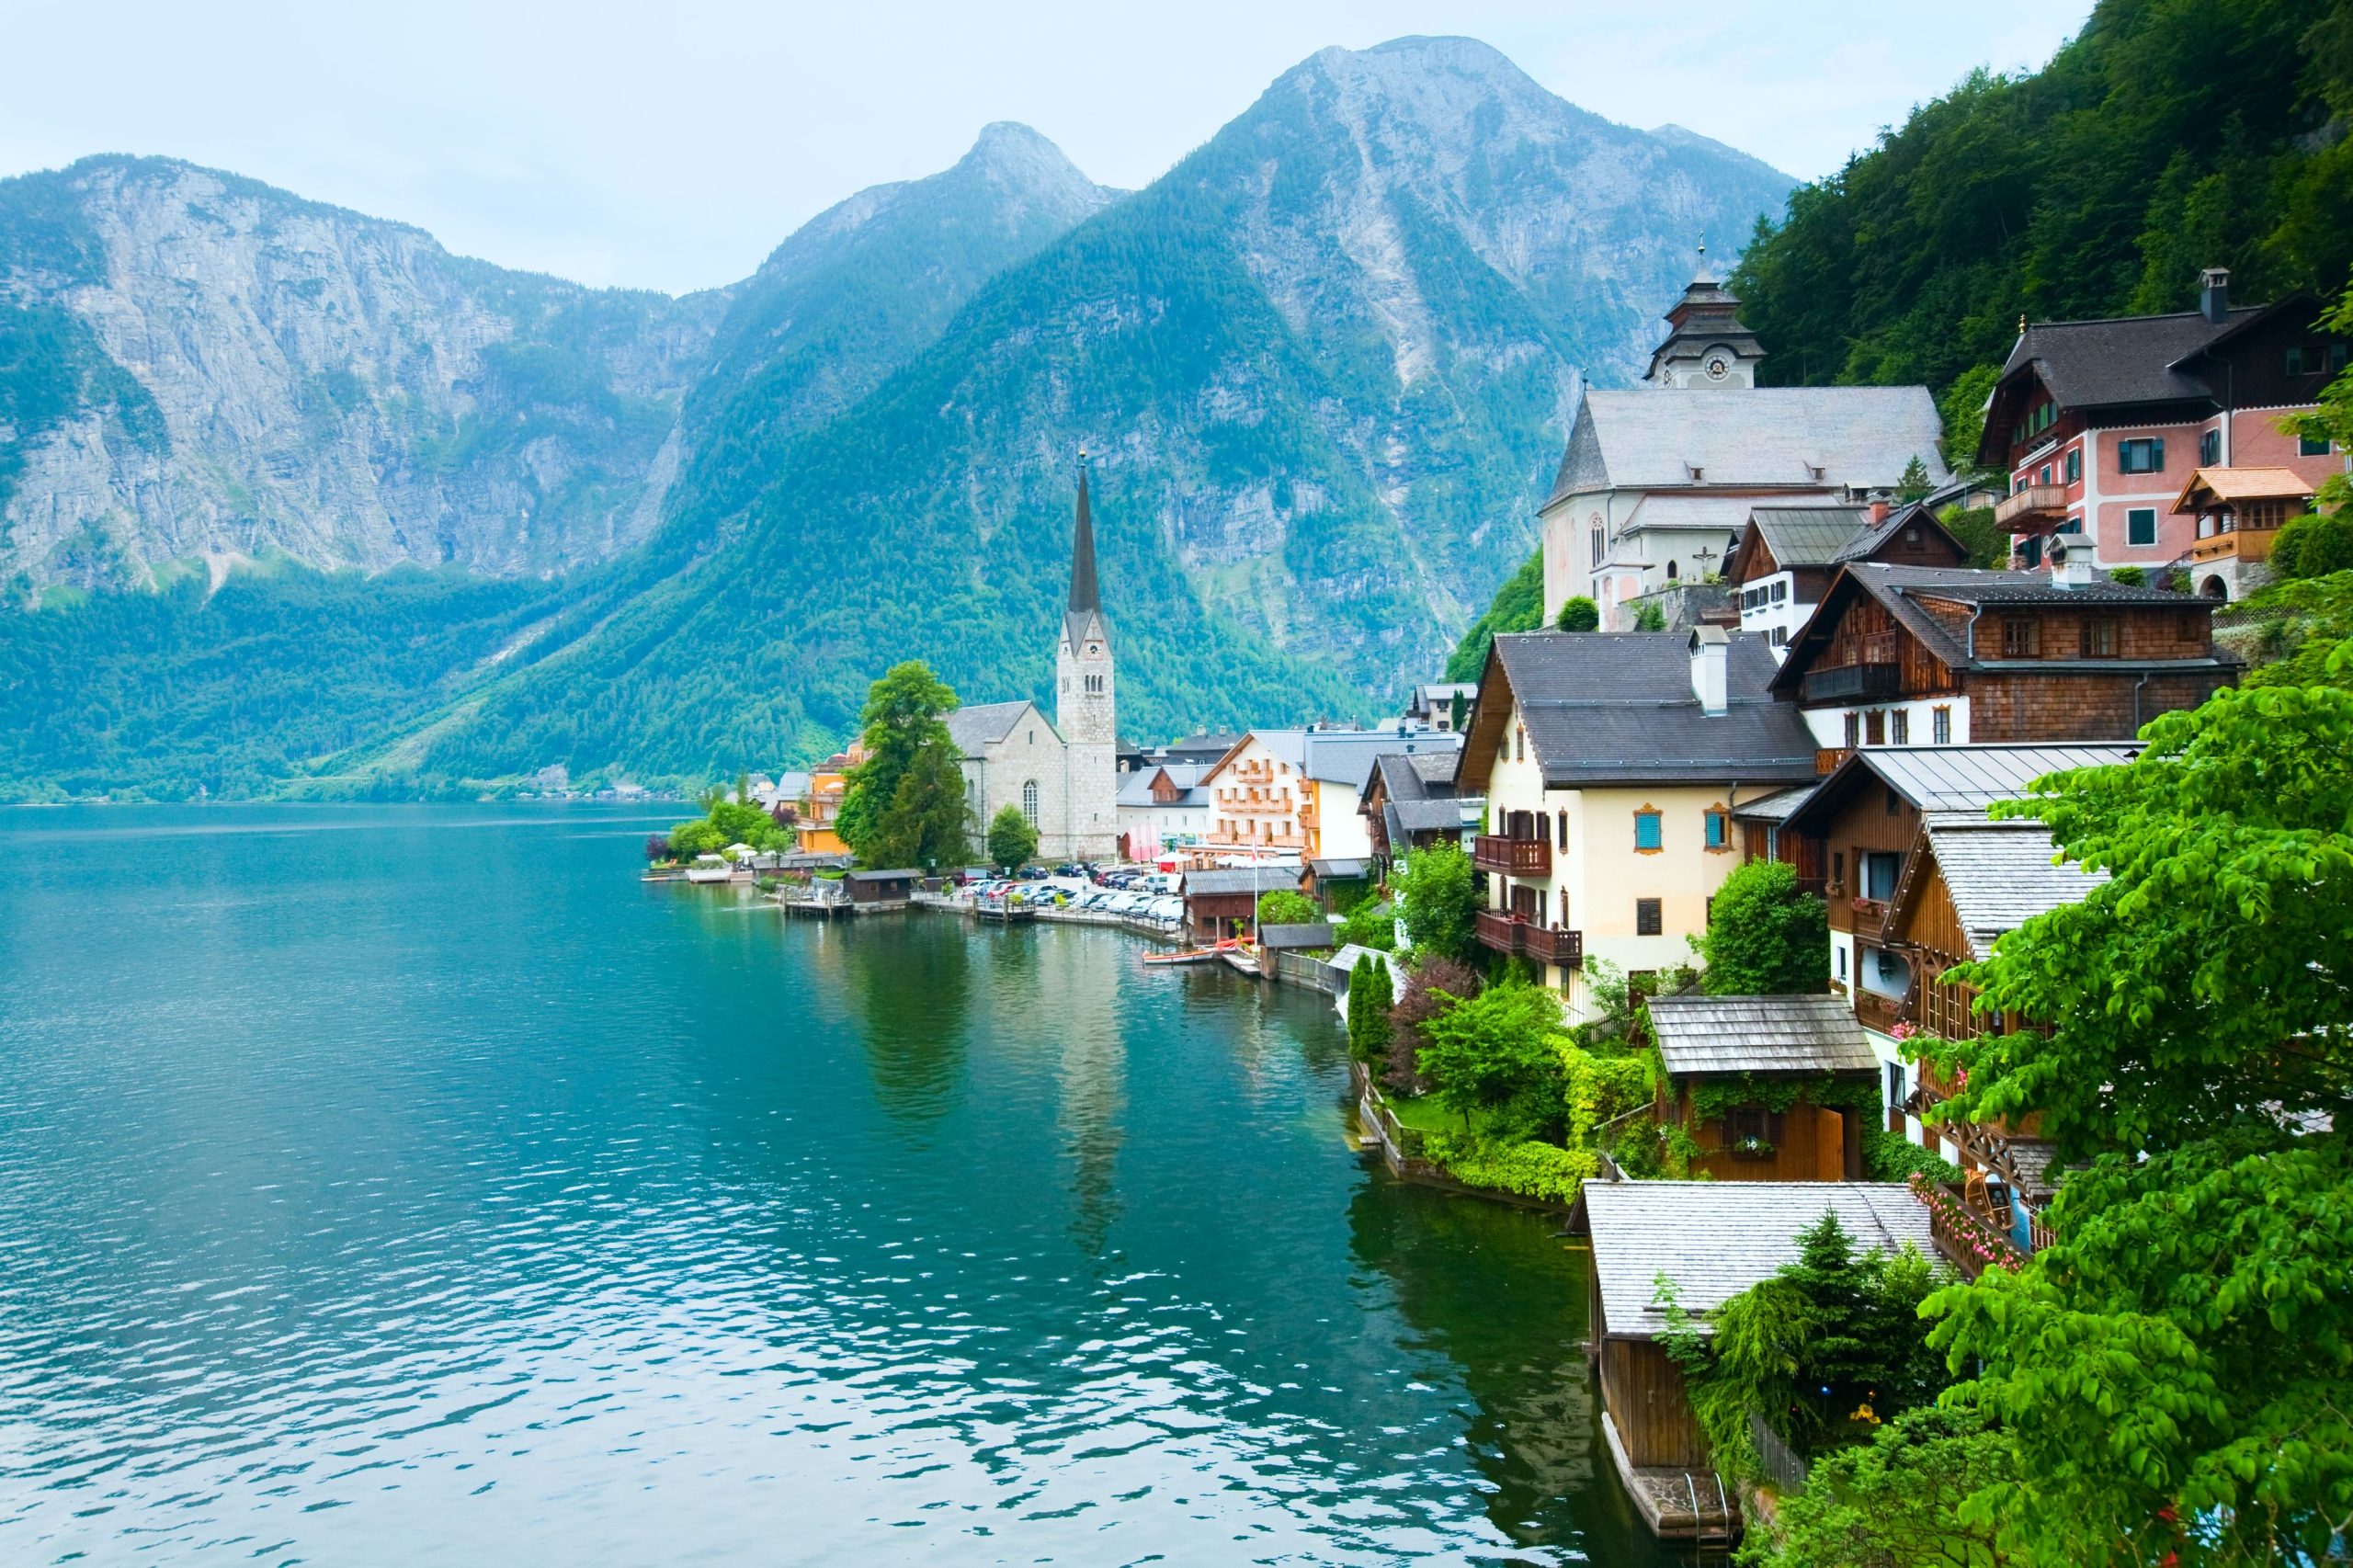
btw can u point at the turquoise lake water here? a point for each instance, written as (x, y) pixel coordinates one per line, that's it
(407, 1185)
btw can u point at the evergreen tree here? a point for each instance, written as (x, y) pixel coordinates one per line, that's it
(1370, 995)
(1913, 484)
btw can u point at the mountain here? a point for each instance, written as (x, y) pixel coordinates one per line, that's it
(1324, 365)
(196, 365)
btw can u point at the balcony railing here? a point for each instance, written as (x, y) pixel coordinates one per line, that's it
(1852, 683)
(1512, 856)
(1521, 937)
(1500, 931)
(2032, 509)
(1877, 1012)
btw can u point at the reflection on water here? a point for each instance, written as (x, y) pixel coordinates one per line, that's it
(394, 1184)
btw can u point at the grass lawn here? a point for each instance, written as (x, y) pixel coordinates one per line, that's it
(1424, 1115)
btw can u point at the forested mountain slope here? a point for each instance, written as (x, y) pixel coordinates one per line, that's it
(1324, 365)
(2169, 135)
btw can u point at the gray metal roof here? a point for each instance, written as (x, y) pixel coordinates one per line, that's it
(1714, 1239)
(1759, 1034)
(2001, 875)
(1970, 778)
(1808, 536)
(1343, 867)
(1617, 708)
(1347, 756)
(1651, 438)
(1298, 938)
(904, 875)
(976, 725)
(1774, 807)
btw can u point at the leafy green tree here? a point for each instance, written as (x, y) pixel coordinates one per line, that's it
(2316, 544)
(1913, 484)
(1963, 411)
(2300, 626)
(1518, 606)
(904, 804)
(1370, 995)
(1282, 906)
(1579, 614)
(1765, 937)
(1648, 617)
(1895, 1502)
(2182, 1350)
(1486, 1051)
(1438, 899)
(699, 836)
(2324, 550)
(1372, 924)
(1973, 527)
(1013, 838)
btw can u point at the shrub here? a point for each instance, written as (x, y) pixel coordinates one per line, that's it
(1579, 614)
(1431, 987)
(1281, 906)
(1372, 924)
(1891, 1156)
(1497, 1049)
(1438, 898)
(1765, 937)
(1648, 617)
(1528, 1168)
(2313, 545)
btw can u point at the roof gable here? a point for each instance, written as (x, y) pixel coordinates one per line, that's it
(1701, 1034)
(1804, 437)
(979, 725)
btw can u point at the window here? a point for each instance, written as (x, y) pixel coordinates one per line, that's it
(1719, 828)
(2146, 456)
(1030, 802)
(2022, 636)
(2296, 361)
(1941, 726)
(2336, 356)
(1837, 870)
(2030, 552)
(1650, 834)
(1842, 963)
(2074, 464)
(1894, 1085)
(1880, 870)
(1671, 572)
(1854, 731)
(2099, 637)
(1782, 592)
(1647, 920)
(1875, 728)
(1899, 727)
(1519, 745)
(2210, 448)
(1563, 814)
(1752, 1122)
(2312, 446)
(2043, 477)
(2141, 526)
(1597, 546)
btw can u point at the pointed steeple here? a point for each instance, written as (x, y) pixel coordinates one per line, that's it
(1083, 592)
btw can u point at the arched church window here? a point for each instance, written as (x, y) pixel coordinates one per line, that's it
(1670, 571)
(1030, 802)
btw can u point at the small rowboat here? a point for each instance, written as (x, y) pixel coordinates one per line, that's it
(1191, 955)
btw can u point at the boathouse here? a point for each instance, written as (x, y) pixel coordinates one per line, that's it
(1772, 1088)
(1713, 1240)
(870, 890)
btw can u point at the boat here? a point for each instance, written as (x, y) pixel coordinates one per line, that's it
(709, 869)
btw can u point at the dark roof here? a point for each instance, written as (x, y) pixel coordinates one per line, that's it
(1617, 708)
(1867, 543)
(1349, 756)
(1200, 747)
(1901, 590)
(1298, 938)
(980, 723)
(2120, 360)
(1807, 536)
(1342, 868)
(1759, 1034)
(1085, 599)
(907, 875)
(1774, 807)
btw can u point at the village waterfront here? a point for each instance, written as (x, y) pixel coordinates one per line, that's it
(399, 1184)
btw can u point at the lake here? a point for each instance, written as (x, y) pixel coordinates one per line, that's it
(404, 1184)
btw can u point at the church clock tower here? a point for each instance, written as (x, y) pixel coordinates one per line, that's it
(1084, 710)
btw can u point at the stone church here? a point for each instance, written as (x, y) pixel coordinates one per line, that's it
(1063, 773)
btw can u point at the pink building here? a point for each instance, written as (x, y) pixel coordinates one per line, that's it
(2101, 425)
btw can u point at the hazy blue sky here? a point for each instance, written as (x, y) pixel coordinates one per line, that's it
(673, 146)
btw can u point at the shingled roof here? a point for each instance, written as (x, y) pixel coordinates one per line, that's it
(1759, 1034)
(1954, 780)
(979, 724)
(1617, 708)
(1714, 1239)
(1790, 438)
(1225, 880)
(2000, 875)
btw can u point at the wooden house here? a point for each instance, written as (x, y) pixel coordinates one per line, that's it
(1767, 1086)
(1408, 802)
(1899, 656)
(1713, 1240)
(880, 890)
(1787, 555)
(1223, 901)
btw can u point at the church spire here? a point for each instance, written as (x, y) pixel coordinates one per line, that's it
(1083, 592)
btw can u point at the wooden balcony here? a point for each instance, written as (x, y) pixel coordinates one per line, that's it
(1828, 758)
(2035, 508)
(2246, 545)
(1970, 1239)
(1852, 683)
(1877, 1012)
(1508, 932)
(1512, 856)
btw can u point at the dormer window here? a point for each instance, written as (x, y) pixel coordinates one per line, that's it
(1697, 473)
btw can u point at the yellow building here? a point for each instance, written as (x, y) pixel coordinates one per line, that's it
(821, 808)
(1613, 763)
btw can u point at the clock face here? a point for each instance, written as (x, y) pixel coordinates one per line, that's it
(1717, 368)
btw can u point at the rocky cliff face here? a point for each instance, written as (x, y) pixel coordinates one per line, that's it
(239, 371)
(1326, 363)
(218, 370)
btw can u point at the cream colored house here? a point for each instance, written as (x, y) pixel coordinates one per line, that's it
(1611, 764)
(1294, 791)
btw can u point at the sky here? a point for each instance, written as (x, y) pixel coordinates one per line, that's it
(673, 147)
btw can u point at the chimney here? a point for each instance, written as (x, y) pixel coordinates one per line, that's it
(2214, 294)
(1710, 650)
(2071, 565)
(1878, 511)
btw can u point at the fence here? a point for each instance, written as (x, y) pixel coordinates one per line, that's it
(1306, 969)
(1782, 1466)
